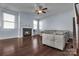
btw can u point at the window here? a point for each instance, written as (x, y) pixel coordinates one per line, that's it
(8, 21)
(40, 25)
(35, 22)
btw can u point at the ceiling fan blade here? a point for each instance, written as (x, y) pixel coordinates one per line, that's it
(36, 10)
(38, 13)
(44, 9)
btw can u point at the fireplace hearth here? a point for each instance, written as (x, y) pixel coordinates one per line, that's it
(27, 32)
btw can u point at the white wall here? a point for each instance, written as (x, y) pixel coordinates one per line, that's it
(26, 21)
(63, 21)
(8, 33)
(23, 20)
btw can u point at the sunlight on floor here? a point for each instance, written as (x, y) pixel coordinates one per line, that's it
(35, 45)
(8, 50)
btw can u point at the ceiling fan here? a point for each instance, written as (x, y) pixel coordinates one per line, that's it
(40, 9)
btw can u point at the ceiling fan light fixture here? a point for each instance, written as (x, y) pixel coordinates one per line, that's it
(39, 11)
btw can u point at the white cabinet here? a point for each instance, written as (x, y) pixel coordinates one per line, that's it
(57, 41)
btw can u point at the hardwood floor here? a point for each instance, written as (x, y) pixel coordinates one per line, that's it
(29, 47)
(78, 50)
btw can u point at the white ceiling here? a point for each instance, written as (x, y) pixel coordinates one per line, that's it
(53, 8)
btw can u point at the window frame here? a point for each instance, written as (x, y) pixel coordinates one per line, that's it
(35, 25)
(8, 21)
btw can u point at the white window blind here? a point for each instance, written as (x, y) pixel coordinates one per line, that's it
(8, 21)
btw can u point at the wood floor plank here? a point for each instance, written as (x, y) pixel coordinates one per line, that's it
(28, 47)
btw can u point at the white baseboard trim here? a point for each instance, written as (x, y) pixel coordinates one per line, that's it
(2, 38)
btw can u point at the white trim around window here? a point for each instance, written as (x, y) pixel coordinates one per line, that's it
(8, 20)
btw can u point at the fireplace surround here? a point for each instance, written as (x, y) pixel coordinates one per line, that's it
(27, 32)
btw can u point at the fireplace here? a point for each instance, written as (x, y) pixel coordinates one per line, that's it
(27, 32)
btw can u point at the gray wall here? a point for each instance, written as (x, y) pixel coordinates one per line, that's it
(8, 33)
(26, 21)
(63, 21)
(23, 20)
